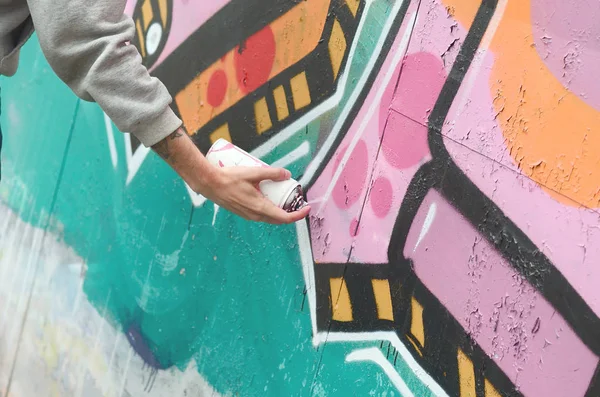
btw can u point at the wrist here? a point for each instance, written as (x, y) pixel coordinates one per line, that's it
(207, 179)
(179, 151)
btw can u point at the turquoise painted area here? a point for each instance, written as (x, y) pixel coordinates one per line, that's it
(228, 295)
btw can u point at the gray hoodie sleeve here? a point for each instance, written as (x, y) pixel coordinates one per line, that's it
(86, 44)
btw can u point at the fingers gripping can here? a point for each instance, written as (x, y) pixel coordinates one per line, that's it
(287, 194)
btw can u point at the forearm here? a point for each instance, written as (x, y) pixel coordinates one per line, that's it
(180, 152)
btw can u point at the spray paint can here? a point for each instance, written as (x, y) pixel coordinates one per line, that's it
(287, 195)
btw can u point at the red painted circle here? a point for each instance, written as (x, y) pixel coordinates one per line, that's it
(254, 60)
(217, 88)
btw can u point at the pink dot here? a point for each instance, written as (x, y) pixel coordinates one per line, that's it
(351, 183)
(419, 86)
(381, 197)
(217, 87)
(404, 142)
(354, 228)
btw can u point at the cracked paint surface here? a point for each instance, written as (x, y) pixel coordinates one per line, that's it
(447, 147)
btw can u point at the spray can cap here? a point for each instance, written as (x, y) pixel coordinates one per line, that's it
(295, 200)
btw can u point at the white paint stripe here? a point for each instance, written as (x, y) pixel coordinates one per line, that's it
(15, 272)
(197, 199)
(306, 259)
(11, 251)
(110, 135)
(126, 371)
(398, 56)
(128, 153)
(323, 151)
(78, 295)
(107, 377)
(426, 224)
(136, 161)
(391, 337)
(293, 156)
(375, 355)
(215, 214)
(85, 368)
(7, 220)
(32, 253)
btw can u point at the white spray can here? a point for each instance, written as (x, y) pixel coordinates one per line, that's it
(287, 194)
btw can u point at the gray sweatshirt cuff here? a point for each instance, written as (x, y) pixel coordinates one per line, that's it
(152, 131)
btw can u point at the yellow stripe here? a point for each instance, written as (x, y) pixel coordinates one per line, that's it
(147, 13)
(300, 91)
(353, 6)
(416, 326)
(281, 103)
(221, 132)
(466, 374)
(261, 113)
(340, 300)
(418, 348)
(490, 390)
(337, 48)
(383, 299)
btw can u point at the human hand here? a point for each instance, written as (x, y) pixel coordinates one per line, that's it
(236, 189)
(232, 188)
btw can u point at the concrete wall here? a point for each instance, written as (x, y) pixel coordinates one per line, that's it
(449, 148)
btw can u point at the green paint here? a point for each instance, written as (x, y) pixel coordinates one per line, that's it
(229, 296)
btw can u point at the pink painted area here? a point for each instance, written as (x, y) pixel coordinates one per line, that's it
(568, 235)
(560, 231)
(352, 181)
(437, 33)
(332, 226)
(381, 197)
(354, 228)
(496, 306)
(405, 141)
(188, 16)
(403, 149)
(371, 246)
(471, 120)
(336, 213)
(421, 81)
(567, 39)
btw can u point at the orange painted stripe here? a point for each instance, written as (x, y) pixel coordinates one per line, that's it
(296, 33)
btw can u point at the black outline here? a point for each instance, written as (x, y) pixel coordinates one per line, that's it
(443, 175)
(243, 18)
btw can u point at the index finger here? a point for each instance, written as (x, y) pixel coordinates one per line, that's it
(259, 174)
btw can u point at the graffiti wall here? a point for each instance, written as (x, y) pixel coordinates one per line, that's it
(449, 152)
